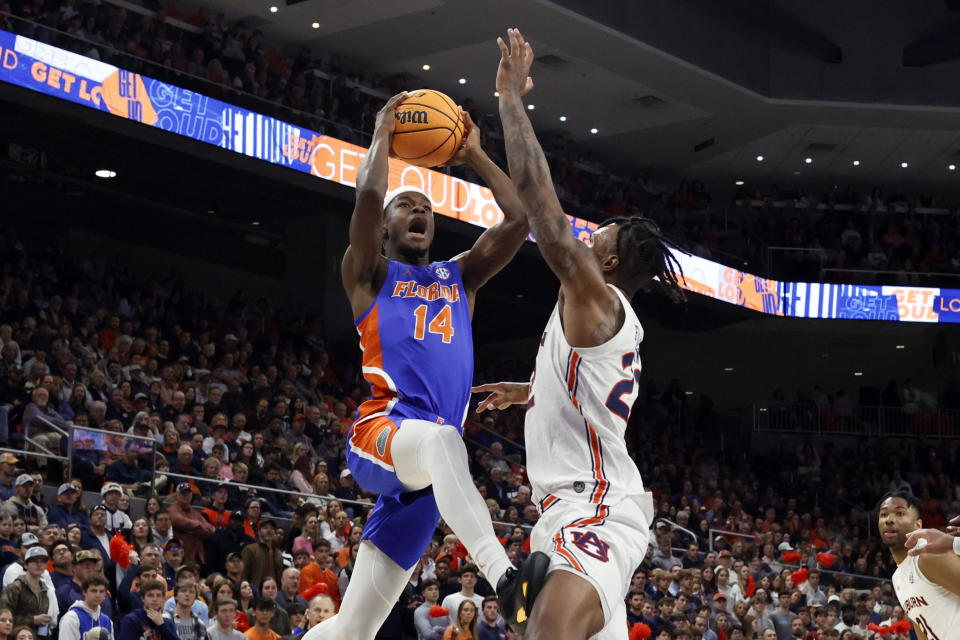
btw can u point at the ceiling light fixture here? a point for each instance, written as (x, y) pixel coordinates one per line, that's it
(594, 130)
(462, 81)
(530, 107)
(808, 160)
(739, 183)
(255, 223)
(759, 158)
(105, 173)
(904, 165)
(563, 118)
(901, 346)
(496, 94)
(315, 25)
(273, 9)
(952, 167)
(858, 373)
(856, 163)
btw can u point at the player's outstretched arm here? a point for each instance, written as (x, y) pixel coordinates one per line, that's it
(502, 395)
(366, 224)
(497, 245)
(583, 286)
(935, 541)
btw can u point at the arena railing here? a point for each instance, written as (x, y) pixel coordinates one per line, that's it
(33, 448)
(862, 207)
(803, 255)
(840, 578)
(861, 421)
(886, 277)
(259, 489)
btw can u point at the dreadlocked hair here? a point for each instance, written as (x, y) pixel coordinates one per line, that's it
(645, 252)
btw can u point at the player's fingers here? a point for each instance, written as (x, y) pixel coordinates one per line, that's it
(467, 119)
(955, 521)
(504, 52)
(912, 539)
(515, 45)
(482, 388)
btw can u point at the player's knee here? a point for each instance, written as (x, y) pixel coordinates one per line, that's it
(449, 440)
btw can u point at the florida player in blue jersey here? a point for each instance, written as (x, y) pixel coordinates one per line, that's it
(413, 317)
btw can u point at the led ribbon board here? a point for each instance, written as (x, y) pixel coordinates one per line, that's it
(46, 69)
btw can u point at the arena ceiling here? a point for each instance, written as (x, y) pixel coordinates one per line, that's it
(695, 87)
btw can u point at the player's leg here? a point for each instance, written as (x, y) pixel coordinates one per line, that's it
(425, 453)
(568, 608)
(375, 586)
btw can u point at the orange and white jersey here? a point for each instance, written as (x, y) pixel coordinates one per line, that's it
(580, 401)
(933, 609)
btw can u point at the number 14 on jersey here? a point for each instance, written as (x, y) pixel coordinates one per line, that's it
(441, 324)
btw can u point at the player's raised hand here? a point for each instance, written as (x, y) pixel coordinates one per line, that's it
(513, 74)
(471, 142)
(934, 541)
(386, 117)
(502, 395)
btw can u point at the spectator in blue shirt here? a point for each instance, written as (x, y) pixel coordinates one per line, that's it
(65, 513)
(126, 471)
(491, 626)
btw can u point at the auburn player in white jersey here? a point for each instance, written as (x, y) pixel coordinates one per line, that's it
(927, 585)
(593, 532)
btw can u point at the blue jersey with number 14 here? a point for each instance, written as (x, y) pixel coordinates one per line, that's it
(417, 345)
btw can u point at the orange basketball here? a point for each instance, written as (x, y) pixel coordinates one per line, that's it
(429, 128)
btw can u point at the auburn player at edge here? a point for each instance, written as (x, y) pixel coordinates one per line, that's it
(414, 320)
(927, 585)
(593, 530)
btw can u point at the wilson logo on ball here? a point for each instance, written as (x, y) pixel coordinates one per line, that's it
(413, 117)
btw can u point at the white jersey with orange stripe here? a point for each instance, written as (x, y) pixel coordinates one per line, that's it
(580, 401)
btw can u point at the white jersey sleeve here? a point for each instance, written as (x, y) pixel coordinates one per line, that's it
(934, 610)
(577, 413)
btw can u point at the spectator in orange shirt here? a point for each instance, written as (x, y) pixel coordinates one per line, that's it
(262, 613)
(319, 571)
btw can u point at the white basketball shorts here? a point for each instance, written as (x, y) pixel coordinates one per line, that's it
(600, 543)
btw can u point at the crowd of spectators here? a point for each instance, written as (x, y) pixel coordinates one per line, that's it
(195, 47)
(252, 518)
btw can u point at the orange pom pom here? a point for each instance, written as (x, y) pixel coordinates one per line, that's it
(436, 611)
(799, 577)
(640, 631)
(242, 622)
(826, 559)
(791, 557)
(120, 550)
(902, 627)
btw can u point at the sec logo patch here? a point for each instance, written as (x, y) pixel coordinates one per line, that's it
(442, 272)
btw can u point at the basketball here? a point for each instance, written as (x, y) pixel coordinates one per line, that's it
(429, 128)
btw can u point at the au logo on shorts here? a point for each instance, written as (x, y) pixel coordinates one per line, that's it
(592, 545)
(382, 441)
(579, 486)
(442, 272)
